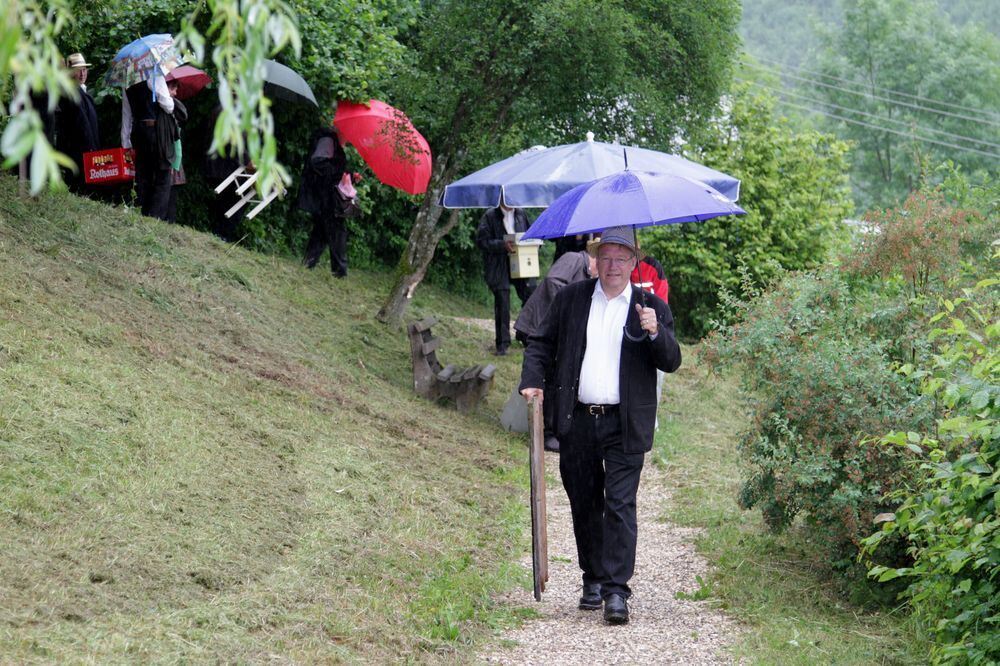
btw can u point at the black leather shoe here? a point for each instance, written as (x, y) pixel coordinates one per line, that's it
(591, 597)
(500, 351)
(615, 609)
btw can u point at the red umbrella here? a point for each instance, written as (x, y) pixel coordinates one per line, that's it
(388, 142)
(190, 80)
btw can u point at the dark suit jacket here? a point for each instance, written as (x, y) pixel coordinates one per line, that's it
(321, 174)
(489, 239)
(563, 340)
(76, 128)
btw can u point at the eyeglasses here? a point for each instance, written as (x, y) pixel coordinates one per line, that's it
(617, 261)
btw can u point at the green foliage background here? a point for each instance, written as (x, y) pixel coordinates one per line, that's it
(941, 50)
(794, 189)
(948, 512)
(819, 354)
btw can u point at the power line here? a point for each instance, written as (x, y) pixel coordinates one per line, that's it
(960, 137)
(979, 121)
(891, 131)
(886, 90)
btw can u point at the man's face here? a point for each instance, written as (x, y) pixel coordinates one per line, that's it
(614, 267)
(80, 74)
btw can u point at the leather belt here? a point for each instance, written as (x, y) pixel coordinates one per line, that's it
(148, 121)
(597, 410)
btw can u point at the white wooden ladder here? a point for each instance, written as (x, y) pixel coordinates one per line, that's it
(245, 189)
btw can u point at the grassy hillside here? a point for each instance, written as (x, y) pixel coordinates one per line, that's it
(209, 454)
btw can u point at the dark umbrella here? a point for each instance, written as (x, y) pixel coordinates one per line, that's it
(281, 82)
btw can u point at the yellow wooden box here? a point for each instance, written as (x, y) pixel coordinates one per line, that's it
(524, 258)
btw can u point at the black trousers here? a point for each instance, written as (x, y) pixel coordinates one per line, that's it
(501, 309)
(328, 231)
(601, 481)
(152, 183)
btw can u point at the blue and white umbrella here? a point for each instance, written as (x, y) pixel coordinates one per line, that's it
(536, 178)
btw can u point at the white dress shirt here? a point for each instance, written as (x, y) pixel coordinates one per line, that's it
(602, 358)
(508, 220)
(158, 84)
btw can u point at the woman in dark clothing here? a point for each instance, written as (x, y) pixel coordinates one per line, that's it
(318, 195)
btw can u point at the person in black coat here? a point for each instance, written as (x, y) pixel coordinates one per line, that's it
(76, 129)
(318, 195)
(149, 128)
(596, 359)
(493, 226)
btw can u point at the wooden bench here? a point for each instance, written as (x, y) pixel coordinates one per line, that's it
(466, 386)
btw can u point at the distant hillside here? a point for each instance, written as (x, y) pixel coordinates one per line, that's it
(211, 455)
(789, 30)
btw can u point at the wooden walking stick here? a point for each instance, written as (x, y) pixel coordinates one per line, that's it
(539, 523)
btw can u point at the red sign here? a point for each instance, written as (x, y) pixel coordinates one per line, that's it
(113, 165)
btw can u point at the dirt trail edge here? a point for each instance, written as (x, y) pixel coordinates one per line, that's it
(662, 628)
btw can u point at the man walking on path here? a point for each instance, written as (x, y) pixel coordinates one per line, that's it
(606, 349)
(493, 226)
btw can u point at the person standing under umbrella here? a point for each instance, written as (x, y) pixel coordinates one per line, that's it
(603, 384)
(153, 175)
(177, 175)
(77, 131)
(493, 226)
(319, 195)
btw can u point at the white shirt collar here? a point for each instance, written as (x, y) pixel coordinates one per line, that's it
(626, 294)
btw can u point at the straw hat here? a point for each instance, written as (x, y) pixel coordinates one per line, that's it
(77, 61)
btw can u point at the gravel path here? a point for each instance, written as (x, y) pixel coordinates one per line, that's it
(662, 629)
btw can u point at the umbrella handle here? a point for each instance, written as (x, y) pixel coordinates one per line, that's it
(642, 295)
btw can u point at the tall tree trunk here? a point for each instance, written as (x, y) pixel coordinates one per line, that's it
(424, 237)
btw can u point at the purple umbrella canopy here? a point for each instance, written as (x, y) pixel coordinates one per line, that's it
(633, 198)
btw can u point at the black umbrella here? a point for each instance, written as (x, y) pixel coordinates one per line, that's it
(280, 82)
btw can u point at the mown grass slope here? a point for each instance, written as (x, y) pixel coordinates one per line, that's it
(213, 455)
